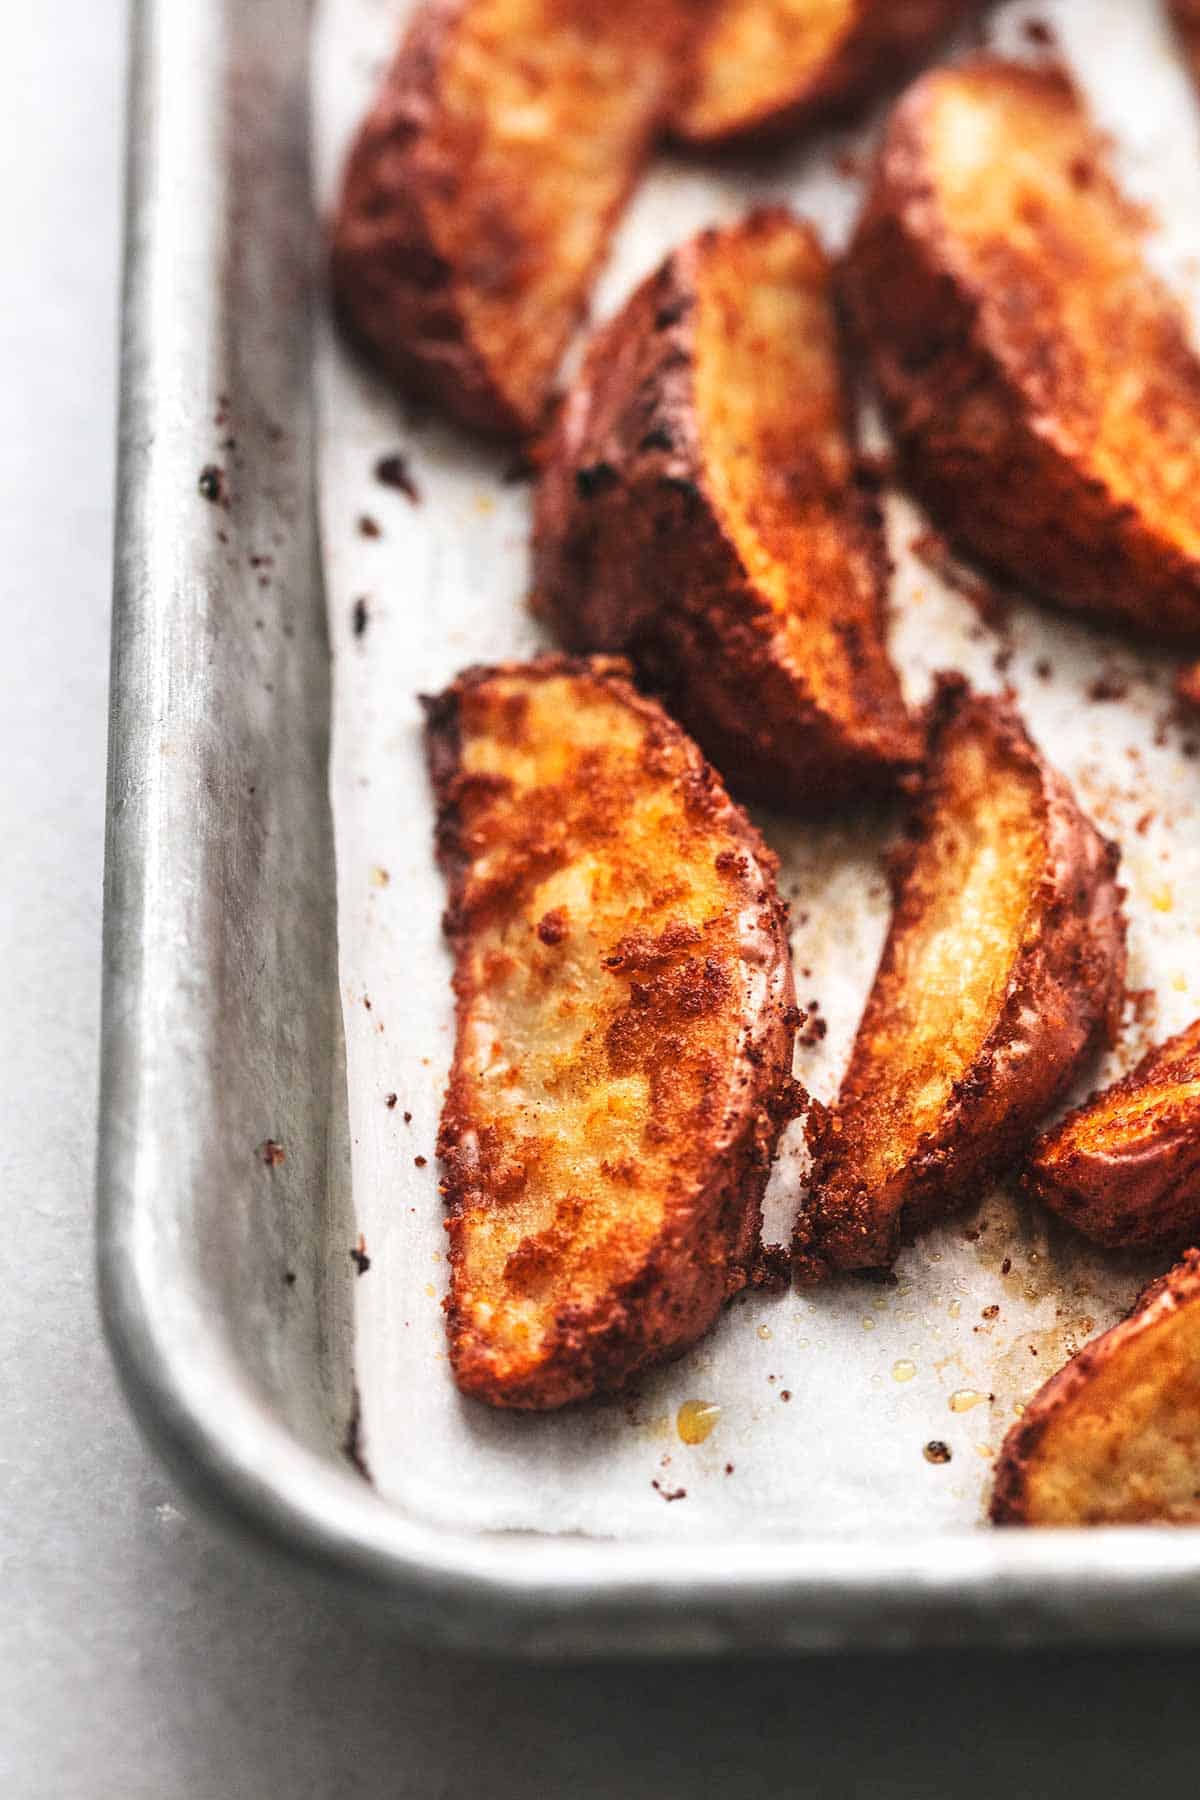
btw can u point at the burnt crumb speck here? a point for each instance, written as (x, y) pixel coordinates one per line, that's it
(359, 616)
(657, 438)
(812, 1026)
(419, 1162)
(1043, 668)
(368, 527)
(729, 1468)
(669, 1493)
(1110, 684)
(1038, 32)
(1006, 1266)
(352, 1448)
(390, 1102)
(785, 1393)
(273, 1153)
(212, 484)
(289, 1278)
(358, 1255)
(595, 478)
(936, 1451)
(408, 1118)
(393, 471)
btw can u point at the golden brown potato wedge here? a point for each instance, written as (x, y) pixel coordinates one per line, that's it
(1039, 379)
(1114, 1438)
(1125, 1168)
(698, 509)
(1187, 684)
(625, 1026)
(482, 189)
(1003, 967)
(766, 68)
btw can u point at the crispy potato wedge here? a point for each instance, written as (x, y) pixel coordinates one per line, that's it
(1187, 684)
(1125, 1168)
(1004, 966)
(625, 1025)
(482, 189)
(766, 68)
(1114, 1438)
(698, 510)
(1039, 379)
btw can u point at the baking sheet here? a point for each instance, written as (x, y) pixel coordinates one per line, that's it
(826, 1397)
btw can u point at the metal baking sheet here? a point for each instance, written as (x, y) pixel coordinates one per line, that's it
(242, 1156)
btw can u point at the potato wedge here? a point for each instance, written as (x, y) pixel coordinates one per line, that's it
(625, 1025)
(1186, 14)
(1039, 379)
(1125, 1168)
(1003, 968)
(698, 510)
(1114, 1438)
(482, 189)
(767, 68)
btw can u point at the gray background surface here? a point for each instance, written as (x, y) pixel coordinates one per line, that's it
(139, 1654)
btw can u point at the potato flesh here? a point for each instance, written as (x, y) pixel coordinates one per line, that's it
(771, 415)
(932, 1011)
(1125, 1449)
(546, 105)
(762, 49)
(603, 1105)
(1037, 225)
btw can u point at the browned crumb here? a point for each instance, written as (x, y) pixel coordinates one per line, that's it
(393, 471)
(273, 1154)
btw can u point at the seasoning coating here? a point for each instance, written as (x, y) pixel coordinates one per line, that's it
(624, 1031)
(1003, 969)
(1039, 379)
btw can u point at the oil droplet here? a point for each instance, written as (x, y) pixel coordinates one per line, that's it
(379, 877)
(1179, 982)
(484, 505)
(1019, 1410)
(695, 1420)
(802, 1343)
(881, 1304)
(963, 1399)
(955, 1309)
(868, 1323)
(986, 1451)
(936, 1257)
(904, 1370)
(764, 1332)
(1162, 899)
(936, 1451)
(429, 1289)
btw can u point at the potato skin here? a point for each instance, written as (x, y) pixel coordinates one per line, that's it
(1062, 999)
(632, 554)
(708, 1245)
(1015, 1496)
(391, 283)
(978, 439)
(1128, 1195)
(399, 288)
(880, 41)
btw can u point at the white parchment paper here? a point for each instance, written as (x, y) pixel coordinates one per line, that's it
(828, 1397)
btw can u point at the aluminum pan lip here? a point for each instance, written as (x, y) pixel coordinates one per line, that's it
(517, 1594)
